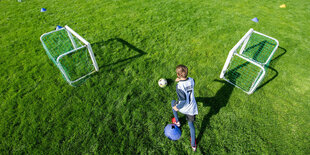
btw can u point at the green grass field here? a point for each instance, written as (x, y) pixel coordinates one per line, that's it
(121, 109)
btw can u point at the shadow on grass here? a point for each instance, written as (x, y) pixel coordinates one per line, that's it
(273, 70)
(170, 82)
(118, 46)
(260, 48)
(112, 54)
(220, 100)
(216, 103)
(222, 96)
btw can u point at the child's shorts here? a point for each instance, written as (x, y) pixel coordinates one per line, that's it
(190, 118)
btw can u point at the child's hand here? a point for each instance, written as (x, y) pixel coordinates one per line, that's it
(177, 80)
(175, 108)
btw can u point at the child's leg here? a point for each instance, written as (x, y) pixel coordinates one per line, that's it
(173, 103)
(192, 130)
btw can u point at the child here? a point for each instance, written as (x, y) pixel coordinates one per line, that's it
(186, 103)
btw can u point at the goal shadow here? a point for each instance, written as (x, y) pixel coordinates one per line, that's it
(274, 73)
(114, 53)
(259, 51)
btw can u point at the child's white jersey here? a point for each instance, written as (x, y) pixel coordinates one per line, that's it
(185, 91)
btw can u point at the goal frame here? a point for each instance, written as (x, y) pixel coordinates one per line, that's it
(59, 57)
(262, 65)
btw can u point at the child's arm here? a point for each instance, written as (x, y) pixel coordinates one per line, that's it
(182, 100)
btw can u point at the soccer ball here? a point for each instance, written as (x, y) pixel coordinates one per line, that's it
(162, 82)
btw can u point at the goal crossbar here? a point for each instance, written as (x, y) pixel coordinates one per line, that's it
(65, 45)
(246, 64)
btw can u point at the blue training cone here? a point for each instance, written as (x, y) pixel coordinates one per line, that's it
(172, 132)
(58, 27)
(255, 20)
(43, 9)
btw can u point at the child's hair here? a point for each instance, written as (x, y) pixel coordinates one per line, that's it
(182, 71)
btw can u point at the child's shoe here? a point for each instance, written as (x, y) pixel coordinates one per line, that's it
(178, 124)
(194, 148)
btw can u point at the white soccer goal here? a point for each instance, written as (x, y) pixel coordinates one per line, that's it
(71, 53)
(247, 62)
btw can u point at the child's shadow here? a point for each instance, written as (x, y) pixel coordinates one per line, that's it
(219, 100)
(216, 103)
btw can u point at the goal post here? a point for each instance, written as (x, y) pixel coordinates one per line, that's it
(247, 62)
(71, 53)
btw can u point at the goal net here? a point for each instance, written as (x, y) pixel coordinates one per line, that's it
(71, 53)
(247, 62)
